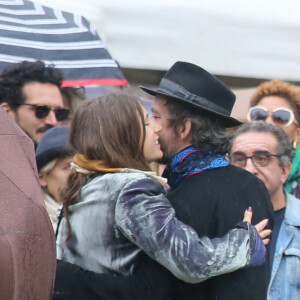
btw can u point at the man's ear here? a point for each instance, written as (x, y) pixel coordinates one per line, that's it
(285, 172)
(9, 110)
(186, 129)
(5, 106)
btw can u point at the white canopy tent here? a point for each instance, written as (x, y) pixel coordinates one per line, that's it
(258, 39)
(239, 38)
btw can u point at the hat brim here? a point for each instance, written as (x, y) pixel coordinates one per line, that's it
(224, 120)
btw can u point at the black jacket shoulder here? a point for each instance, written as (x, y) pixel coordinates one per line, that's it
(220, 196)
(212, 202)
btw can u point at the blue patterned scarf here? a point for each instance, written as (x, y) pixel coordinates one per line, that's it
(191, 161)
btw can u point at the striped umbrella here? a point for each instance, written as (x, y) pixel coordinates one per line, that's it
(30, 31)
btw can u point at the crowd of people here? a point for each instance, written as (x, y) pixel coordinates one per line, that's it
(125, 231)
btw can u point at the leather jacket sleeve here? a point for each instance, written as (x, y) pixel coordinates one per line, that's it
(146, 217)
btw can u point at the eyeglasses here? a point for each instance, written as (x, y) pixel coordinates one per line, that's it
(281, 116)
(258, 159)
(42, 111)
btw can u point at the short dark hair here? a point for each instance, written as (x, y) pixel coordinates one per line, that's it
(206, 130)
(15, 76)
(285, 147)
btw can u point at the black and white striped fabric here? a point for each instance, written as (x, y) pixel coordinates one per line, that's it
(30, 31)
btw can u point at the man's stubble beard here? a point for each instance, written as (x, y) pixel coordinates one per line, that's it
(167, 155)
(39, 130)
(170, 147)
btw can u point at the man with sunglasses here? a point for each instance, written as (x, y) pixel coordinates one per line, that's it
(30, 94)
(266, 151)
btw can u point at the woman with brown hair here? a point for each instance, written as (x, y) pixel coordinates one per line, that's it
(115, 207)
(278, 103)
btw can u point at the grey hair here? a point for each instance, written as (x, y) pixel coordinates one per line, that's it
(206, 129)
(284, 144)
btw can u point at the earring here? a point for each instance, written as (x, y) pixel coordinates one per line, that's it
(295, 144)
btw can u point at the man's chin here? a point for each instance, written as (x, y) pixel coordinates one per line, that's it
(35, 138)
(164, 160)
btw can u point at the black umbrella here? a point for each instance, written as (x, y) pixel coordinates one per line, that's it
(30, 31)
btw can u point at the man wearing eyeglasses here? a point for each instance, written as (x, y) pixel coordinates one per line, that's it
(30, 94)
(266, 151)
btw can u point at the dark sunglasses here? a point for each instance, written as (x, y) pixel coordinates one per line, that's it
(281, 116)
(42, 111)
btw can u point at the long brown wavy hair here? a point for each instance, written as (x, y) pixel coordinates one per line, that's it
(109, 128)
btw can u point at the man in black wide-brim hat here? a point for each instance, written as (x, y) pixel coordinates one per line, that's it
(193, 109)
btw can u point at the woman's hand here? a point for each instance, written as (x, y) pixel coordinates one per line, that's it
(264, 233)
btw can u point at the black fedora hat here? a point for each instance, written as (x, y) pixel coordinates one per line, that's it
(195, 86)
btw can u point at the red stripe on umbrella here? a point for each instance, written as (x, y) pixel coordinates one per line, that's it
(84, 82)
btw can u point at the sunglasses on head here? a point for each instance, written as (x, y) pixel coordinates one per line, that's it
(42, 111)
(280, 116)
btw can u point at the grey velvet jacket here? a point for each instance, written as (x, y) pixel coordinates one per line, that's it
(119, 215)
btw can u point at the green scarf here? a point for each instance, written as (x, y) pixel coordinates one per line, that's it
(294, 174)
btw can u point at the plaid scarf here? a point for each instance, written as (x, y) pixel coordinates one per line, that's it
(191, 161)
